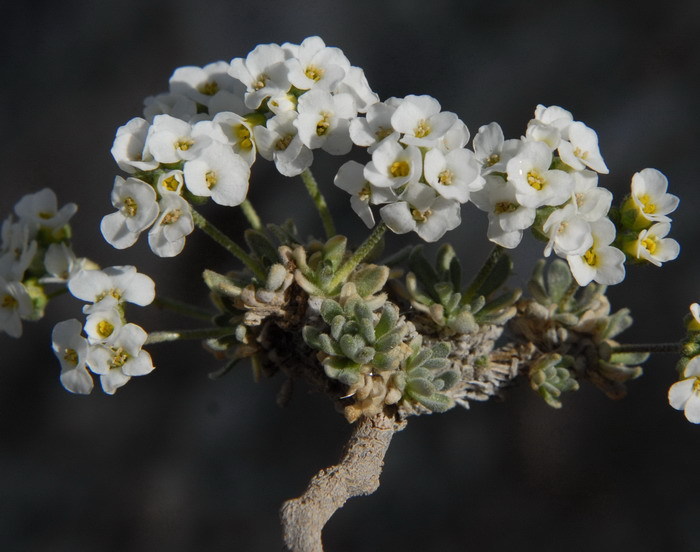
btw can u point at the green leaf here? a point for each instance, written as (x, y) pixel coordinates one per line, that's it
(370, 279)
(558, 279)
(311, 336)
(388, 319)
(329, 346)
(497, 277)
(437, 402)
(261, 246)
(351, 345)
(425, 273)
(330, 309)
(334, 251)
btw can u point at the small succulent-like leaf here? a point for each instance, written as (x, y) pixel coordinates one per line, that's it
(367, 329)
(391, 339)
(497, 277)
(441, 349)
(387, 320)
(437, 364)
(364, 355)
(350, 345)
(337, 326)
(558, 280)
(463, 323)
(311, 336)
(275, 277)
(306, 284)
(420, 386)
(330, 309)
(444, 292)
(328, 345)
(221, 284)
(341, 369)
(334, 251)
(630, 359)
(449, 379)
(420, 357)
(437, 402)
(424, 272)
(617, 323)
(370, 279)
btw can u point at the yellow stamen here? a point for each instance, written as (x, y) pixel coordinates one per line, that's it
(283, 143)
(260, 82)
(71, 356)
(9, 302)
(422, 129)
(183, 144)
(209, 88)
(492, 160)
(696, 386)
(314, 73)
(365, 193)
(171, 183)
(421, 216)
(649, 244)
(535, 180)
(504, 207)
(243, 135)
(578, 152)
(120, 357)
(45, 216)
(382, 133)
(104, 329)
(130, 206)
(647, 206)
(590, 257)
(210, 179)
(445, 177)
(172, 217)
(323, 124)
(399, 169)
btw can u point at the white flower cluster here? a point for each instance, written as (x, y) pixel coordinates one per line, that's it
(113, 347)
(685, 393)
(33, 251)
(420, 169)
(200, 138)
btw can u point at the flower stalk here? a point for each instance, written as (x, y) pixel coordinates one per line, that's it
(319, 202)
(358, 256)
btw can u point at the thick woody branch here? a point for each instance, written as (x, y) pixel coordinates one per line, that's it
(356, 474)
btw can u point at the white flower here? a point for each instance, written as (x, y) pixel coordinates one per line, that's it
(118, 362)
(371, 130)
(175, 105)
(549, 126)
(239, 134)
(40, 210)
(129, 144)
(123, 283)
(420, 120)
(137, 209)
(61, 264)
(507, 217)
(581, 150)
(695, 312)
(18, 248)
(351, 178)
(15, 304)
(492, 151)
(454, 174)
(171, 140)
(601, 262)
(355, 83)
(202, 83)
(279, 141)
(535, 184)
(167, 236)
(324, 120)
(592, 202)
(393, 166)
(170, 181)
(649, 196)
(104, 321)
(263, 72)
(456, 137)
(685, 394)
(652, 245)
(71, 349)
(420, 209)
(218, 173)
(568, 232)
(316, 66)
(555, 116)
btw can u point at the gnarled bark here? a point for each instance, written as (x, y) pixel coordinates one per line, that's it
(356, 474)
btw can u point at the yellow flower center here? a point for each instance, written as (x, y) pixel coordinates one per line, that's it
(696, 386)
(590, 257)
(578, 152)
(130, 206)
(45, 216)
(243, 135)
(382, 133)
(283, 143)
(210, 179)
(120, 357)
(172, 216)
(323, 124)
(647, 206)
(314, 73)
(422, 129)
(421, 216)
(649, 244)
(71, 356)
(260, 81)
(535, 180)
(504, 207)
(8, 302)
(171, 183)
(209, 88)
(183, 144)
(399, 169)
(104, 329)
(365, 193)
(445, 177)
(492, 160)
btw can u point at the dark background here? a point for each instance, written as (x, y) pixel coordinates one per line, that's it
(177, 462)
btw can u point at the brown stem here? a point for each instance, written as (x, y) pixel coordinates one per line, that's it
(356, 474)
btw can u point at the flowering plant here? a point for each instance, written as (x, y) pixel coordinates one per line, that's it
(384, 335)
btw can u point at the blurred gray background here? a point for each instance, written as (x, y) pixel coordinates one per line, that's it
(177, 462)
